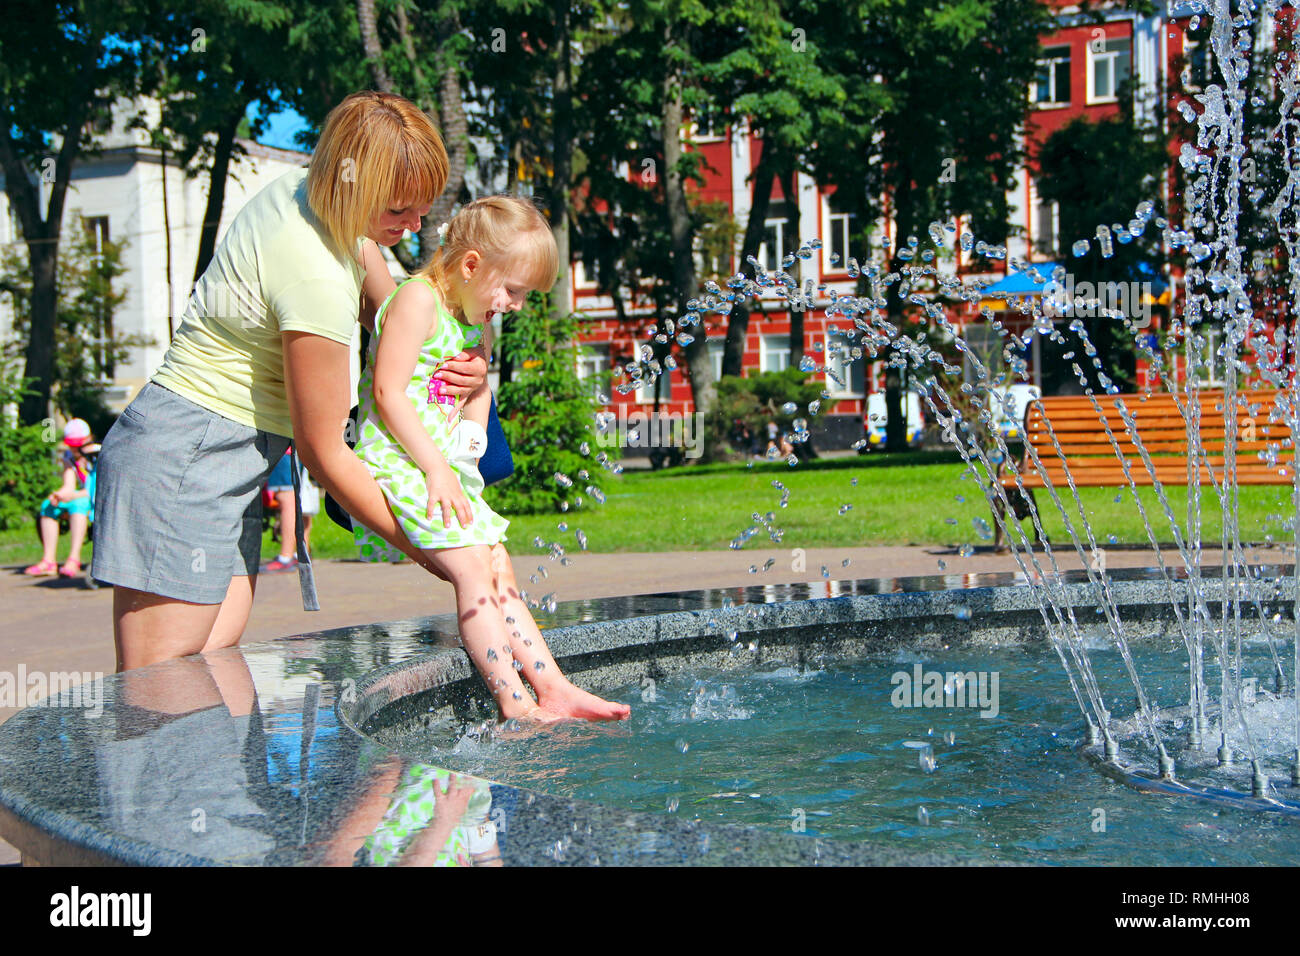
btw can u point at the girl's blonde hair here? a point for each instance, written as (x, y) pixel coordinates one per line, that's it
(502, 229)
(377, 150)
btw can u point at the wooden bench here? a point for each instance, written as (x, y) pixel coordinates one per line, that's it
(1162, 429)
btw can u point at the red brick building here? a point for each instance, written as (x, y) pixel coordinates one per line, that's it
(1082, 68)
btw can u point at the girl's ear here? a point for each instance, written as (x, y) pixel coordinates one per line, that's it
(469, 264)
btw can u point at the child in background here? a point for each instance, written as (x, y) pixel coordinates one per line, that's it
(423, 447)
(75, 498)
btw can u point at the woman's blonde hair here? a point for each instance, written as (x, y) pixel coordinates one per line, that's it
(501, 229)
(376, 150)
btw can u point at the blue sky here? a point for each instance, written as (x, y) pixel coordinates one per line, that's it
(284, 126)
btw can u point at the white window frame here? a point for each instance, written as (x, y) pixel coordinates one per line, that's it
(842, 221)
(773, 352)
(716, 345)
(1041, 206)
(1053, 64)
(1111, 58)
(591, 363)
(833, 344)
(774, 264)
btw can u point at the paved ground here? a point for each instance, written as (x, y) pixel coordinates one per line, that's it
(57, 625)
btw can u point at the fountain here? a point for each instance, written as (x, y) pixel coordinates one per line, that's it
(335, 747)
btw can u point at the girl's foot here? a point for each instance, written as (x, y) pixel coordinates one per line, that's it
(42, 569)
(570, 701)
(71, 568)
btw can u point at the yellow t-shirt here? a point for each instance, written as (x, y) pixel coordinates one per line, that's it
(273, 272)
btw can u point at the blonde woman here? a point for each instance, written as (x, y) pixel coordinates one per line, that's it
(262, 357)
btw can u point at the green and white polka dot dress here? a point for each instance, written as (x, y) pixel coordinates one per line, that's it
(460, 441)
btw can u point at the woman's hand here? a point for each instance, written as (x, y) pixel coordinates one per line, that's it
(463, 373)
(446, 493)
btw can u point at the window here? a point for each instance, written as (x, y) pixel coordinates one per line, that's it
(839, 226)
(593, 366)
(101, 332)
(1045, 227)
(15, 224)
(1108, 68)
(717, 345)
(1199, 70)
(850, 371)
(1210, 372)
(1051, 86)
(708, 124)
(773, 353)
(778, 242)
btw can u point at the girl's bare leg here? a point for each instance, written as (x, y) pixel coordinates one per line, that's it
(556, 694)
(483, 628)
(77, 525)
(49, 538)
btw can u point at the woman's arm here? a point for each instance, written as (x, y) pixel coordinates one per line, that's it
(377, 286)
(316, 371)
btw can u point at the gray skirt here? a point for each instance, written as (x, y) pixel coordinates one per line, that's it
(178, 504)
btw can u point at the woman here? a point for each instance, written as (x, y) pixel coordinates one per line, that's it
(261, 358)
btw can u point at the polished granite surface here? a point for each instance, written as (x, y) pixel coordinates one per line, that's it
(251, 756)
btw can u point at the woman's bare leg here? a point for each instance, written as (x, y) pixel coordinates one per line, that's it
(232, 619)
(148, 628)
(556, 694)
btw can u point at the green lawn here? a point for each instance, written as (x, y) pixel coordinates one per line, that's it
(905, 499)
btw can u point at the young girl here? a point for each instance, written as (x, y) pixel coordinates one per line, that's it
(423, 446)
(75, 498)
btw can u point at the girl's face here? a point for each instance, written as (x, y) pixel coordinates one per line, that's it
(391, 223)
(491, 290)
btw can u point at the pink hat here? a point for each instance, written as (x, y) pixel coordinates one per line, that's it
(76, 433)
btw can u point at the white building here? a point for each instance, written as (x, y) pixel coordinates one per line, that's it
(127, 194)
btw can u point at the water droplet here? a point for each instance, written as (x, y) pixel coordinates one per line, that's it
(1080, 248)
(672, 804)
(537, 665)
(961, 612)
(923, 816)
(789, 408)
(492, 654)
(682, 745)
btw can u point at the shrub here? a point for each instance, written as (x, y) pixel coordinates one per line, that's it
(760, 399)
(547, 413)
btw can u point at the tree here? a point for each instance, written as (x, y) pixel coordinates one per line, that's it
(1133, 154)
(87, 345)
(547, 413)
(217, 58)
(954, 79)
(63, 66)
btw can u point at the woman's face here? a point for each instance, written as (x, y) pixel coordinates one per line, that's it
(392, 222)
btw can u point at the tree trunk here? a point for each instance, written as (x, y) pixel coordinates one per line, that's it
(371, 47)
(42, 238)
(789, 186)
(733, 355)
(895, 411)
(39, 364)
(216, 193)
(681, 233)
(562, 158)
